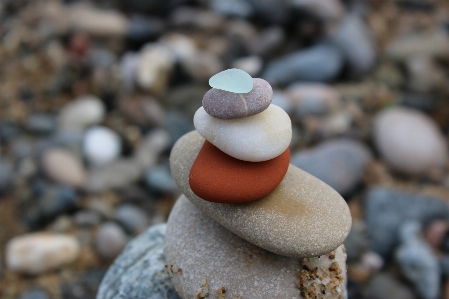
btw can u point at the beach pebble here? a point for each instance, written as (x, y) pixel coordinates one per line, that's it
(386, 209)
(41, 123)
(313, 99)
(139, 272)
(301, 203)
(6, 175)
(34, 294)
(250, 64)
(385, 285)
(40, 252)
(326, 10)
(229, 105)
(151, 146)
(267, 41)
(340, 163)
(319, 63)
(131, 217)
(82, 112)
(357, 243)
(260, 137)
(435, 233)
(159, 179)
(101, 145)
(424, 74)
(109, 240)
(409, 141)
(232, 80)
(62, 167)
(202, 65)
(154, 67)
(353, 37)
(417, 261)
(220, 178)
(237, 268)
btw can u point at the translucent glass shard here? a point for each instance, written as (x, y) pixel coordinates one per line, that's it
(232, 80)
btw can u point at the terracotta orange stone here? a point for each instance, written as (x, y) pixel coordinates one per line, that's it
(220, 178)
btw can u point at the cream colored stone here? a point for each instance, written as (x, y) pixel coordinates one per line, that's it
(40, 252)
(256, 138)
(302, 217)
(202, 257)
(62, 167)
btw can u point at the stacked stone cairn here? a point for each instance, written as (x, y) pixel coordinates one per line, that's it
(249, 224)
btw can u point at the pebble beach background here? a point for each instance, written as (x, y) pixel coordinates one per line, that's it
(93, 95)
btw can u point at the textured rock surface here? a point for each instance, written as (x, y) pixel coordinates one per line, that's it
(232, 80)
(301, 203)
(386, 209)
(62, 167)
(260, 137)
(220, 178)
(204, 257)
(229, 105)
(409, 141)
(139, 272)
(40, 252)
(339, 163)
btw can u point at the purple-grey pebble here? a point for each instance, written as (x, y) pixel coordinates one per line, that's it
(229, 105)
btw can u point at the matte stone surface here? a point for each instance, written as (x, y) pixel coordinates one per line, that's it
(220, 178)
(386, 209)
(139, 272)
(229, 105)
(232, 80)
(409, 141)
(202, 257)
(62, 167)
(302, 217)
(260, 137)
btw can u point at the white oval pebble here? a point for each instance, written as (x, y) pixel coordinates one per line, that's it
(101, 145)
(82, 112)
(40, 252)
(256, 138)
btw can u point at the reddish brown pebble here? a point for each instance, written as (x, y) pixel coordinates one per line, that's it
(220, 178)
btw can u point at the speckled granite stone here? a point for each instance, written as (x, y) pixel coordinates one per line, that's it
(302, 217)
(139, 272)
(204, 257)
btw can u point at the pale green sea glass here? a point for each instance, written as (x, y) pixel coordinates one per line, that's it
(233, 80)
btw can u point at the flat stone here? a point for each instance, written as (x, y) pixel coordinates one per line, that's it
(302, 217)
(409, 141)
(256, 138)
(229, 105)
(204, 257)
(220, 178)
(139, 272)
(232, 80)
(37, 253)
(101, 145)
(62, 167)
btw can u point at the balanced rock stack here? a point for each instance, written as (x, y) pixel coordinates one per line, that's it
(249, 224)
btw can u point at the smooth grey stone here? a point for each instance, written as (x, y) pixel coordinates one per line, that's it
(6, 175)
(41, 123)
(131, 217)
(357, 242)
(267, 41)
(354, 39)
(417, 261)
(34, 294)
(109, 240)
(139, 272)
(385, 285)
(232, 8)
(339, 163)
(159, 179)
(387, 208)
(322, 62)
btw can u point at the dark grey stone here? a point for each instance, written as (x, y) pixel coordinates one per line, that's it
(139, 272)
(6, 175)
(34, 294)
(386, 209)
(322, 62)
(131, 217)
(385, 285)
(41, 123)
(159, 179)
(339, 163)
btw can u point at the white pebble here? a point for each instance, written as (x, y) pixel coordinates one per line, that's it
(82, 112)
(260, 137)
(101, 145)
(40, 252)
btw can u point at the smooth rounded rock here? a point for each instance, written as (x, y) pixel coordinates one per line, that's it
(62, 167)
(82, 112)
(101, 145)
(239, 269)
(232, 80)
(229, 105)
(409, 141)
(339, 163)
(220, 178)
(40, 252)
(260, 137)
(302, 217)
(110, 240)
